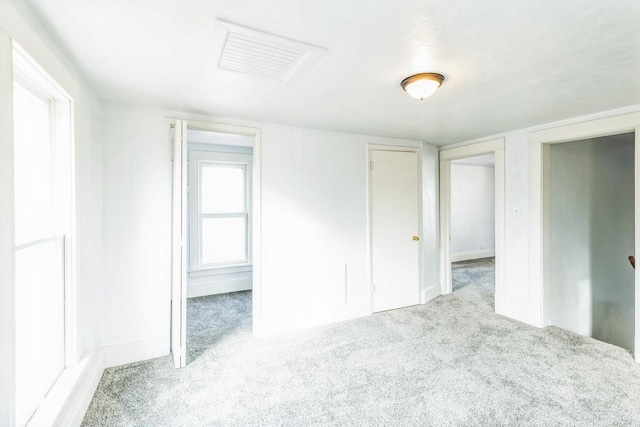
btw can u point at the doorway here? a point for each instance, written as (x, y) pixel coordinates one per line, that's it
(216, 245)
(541, 143)
(472, 218)
(220, 269)
(589, 235)
(473, 226)
(395, 250)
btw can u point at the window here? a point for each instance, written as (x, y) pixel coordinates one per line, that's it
(220, 210)
(43, 194)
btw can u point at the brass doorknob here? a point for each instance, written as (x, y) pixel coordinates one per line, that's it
(416, 238)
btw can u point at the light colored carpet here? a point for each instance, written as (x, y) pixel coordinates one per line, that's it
(451, 362)
(478, 272)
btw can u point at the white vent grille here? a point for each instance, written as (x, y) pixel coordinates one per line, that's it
(260, 54)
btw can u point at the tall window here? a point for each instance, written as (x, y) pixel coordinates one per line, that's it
(220, 210)
(43, 191)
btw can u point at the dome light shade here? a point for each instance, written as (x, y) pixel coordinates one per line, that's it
(423, 85)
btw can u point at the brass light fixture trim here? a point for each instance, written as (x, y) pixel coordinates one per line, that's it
(435, 77)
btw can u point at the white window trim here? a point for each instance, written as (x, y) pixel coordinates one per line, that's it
(196, 268)
(30, 75)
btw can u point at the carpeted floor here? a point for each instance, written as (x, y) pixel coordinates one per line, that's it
(478, 272)
(451, 362)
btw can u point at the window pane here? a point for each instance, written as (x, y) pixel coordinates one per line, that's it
(222, 189)
(33, 167)
(224, 241)
(39, 323)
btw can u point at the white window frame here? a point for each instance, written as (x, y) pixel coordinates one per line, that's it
(196, 159)
(31, 76)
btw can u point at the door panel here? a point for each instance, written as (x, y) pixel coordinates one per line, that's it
(179, 256)
(394, 223)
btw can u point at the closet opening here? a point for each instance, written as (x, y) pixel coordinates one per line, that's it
(589, 196)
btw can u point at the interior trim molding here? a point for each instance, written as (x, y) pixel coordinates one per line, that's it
(430, 293)
(69, 398)
(214, 287)
(471, 255)
(273, 325)
(135, 351)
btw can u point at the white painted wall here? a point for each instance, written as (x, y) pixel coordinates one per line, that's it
(314, 219)
(472, 212)
(590, 287)
(298, 165)
(430, 221)
(7, 237)
(137, 234)
(518, 303)
(69, 398)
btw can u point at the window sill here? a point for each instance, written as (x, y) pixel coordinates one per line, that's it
(226, 269)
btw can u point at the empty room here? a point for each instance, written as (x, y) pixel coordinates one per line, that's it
(219, 213)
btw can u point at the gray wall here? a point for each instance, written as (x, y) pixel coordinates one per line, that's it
(590, 284)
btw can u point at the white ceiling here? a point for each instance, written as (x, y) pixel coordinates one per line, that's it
(508, 64)
(486, 160)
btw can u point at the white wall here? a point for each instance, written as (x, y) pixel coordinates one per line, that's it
(590, 287)
(67, 401)
(430, 221)
(314, 221)
(7, 237)
(472, 212)
(518, 305)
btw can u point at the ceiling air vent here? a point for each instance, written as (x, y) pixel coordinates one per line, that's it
(250, 51)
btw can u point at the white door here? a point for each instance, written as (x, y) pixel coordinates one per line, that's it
(179, 247)
(395, 248)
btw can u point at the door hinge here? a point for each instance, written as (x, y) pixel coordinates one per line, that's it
(373, 287)
(188, 188)
(371, 165)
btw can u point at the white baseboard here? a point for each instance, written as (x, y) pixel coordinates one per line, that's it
(466, 256)
(135, 351)
(430, 293)
(219, 287)
(267, 327)
(69, 398)
(520, 316)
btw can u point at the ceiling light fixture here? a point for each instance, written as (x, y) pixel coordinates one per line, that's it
(423, 85)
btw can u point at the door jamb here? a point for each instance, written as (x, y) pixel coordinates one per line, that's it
(496, 146)
(418, 151)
